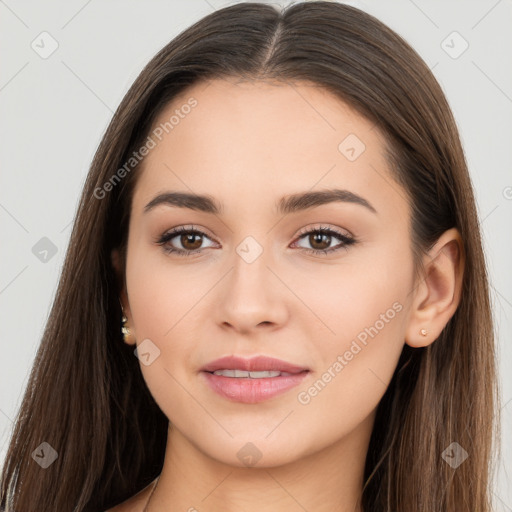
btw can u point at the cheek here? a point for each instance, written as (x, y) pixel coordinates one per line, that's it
(162, 299)
(365, 295)
(160, 292)
(365, 309)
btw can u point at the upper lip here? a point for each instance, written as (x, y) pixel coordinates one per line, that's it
(253, 364)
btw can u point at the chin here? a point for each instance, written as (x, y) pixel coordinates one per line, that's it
(256, 451)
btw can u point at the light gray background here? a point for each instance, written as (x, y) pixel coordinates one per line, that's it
(55, 110)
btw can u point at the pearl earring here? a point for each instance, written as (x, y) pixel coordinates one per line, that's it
(127, 334)
(423, 332)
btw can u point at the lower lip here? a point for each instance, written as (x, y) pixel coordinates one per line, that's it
(251, 391)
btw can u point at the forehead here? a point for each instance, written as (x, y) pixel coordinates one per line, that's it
(258, 139)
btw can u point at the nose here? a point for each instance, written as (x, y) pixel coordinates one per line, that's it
(252, 297)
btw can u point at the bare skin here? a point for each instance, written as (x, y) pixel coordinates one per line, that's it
(247, 145)
(135, 503)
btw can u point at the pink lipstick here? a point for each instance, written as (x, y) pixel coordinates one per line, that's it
(252, 380)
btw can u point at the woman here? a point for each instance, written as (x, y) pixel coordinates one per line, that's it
(326, 343)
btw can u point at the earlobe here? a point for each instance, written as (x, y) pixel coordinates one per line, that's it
(437, 296)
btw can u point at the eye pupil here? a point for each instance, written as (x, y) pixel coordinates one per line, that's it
(317, 238)
(189, 237)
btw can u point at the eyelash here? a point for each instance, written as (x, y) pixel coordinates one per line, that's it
(169, 235)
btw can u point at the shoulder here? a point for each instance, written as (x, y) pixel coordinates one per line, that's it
(135, 503)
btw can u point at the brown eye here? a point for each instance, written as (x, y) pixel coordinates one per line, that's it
(191, 241)
(320, 240)
(183, 241)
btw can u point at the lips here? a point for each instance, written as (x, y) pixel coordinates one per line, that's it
(252, 380)
(254, 364)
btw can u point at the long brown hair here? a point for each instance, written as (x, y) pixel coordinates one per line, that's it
(86, 396)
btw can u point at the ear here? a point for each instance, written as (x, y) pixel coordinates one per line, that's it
(115, 256)
(437, 295)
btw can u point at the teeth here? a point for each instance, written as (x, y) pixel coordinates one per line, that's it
(251, 375)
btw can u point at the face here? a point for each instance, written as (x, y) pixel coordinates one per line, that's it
(323, 284)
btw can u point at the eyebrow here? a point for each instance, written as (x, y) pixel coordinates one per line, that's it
(288, 204)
